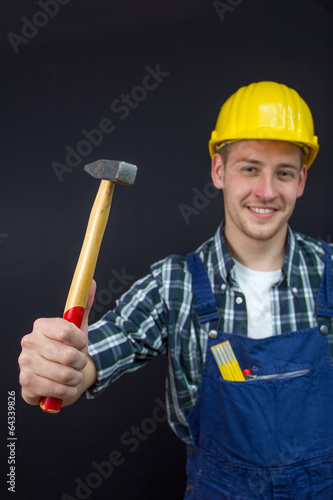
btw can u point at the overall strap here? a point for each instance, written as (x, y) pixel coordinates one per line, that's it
(206, 305)
(324, 299)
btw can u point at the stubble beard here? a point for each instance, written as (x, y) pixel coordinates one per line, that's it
(263, 230)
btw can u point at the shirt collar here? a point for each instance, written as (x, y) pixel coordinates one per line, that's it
(290, 268)
(223, 262)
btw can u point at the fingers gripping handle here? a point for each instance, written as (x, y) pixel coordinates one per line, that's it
(53, 405)
(84, 272)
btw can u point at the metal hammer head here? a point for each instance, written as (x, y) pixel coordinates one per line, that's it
(111, 170)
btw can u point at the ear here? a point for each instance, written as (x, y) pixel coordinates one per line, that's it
(217, 171)
(302, 181)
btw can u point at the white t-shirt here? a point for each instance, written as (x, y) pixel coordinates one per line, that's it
(256, 286)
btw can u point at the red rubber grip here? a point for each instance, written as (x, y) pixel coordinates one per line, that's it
(73, 315)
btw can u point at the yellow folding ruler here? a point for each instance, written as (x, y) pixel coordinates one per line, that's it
(227, 362)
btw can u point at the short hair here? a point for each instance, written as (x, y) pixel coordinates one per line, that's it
(225, 151)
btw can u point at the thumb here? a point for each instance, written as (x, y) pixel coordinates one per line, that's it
(91, 295)
(84, 324)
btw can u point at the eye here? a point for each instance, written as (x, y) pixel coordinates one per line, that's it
(286, 174)
(251, 170)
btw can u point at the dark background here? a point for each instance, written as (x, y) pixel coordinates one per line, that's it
(64, 80)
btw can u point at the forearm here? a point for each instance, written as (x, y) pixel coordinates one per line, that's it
(126, 338)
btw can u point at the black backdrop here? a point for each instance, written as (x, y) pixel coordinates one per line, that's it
(65, 67)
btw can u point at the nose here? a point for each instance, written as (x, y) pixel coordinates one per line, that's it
(265, 187)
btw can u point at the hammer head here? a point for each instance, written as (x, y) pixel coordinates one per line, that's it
(111, 170)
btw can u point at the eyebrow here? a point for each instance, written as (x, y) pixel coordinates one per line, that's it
(249, 160)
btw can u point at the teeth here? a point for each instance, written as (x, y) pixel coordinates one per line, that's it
(262, 210)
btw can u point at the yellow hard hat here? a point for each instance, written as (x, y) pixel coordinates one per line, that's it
(267, 111)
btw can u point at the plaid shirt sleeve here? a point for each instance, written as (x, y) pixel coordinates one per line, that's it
(126, 338)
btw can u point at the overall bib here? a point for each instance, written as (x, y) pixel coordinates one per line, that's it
(270, 437)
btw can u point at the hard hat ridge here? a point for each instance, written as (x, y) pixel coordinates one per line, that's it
(265, 111)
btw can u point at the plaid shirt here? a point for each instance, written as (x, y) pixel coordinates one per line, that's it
(157, 316)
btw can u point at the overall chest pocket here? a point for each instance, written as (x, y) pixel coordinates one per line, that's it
(257, 418)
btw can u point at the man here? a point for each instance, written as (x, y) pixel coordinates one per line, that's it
(256, 283)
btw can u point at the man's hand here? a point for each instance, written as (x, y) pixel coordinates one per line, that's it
(54, 360)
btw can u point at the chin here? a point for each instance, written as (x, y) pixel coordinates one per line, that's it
(264, 233)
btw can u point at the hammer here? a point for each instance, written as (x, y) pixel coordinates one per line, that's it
(110, 172)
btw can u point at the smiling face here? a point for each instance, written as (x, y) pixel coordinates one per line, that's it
(261, 182)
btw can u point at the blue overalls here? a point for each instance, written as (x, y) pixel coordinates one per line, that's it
(270, 437)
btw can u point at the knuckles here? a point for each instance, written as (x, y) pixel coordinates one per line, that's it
(39, 325)
(27, 342)
(74, 358)
(66, 332)
(70, 356)
(70, 377)
(66, 376)
(55, 328)
(64, 391)
(26, 357)
(60, 330)
(23, 359)
(25, 378)
(60, 391)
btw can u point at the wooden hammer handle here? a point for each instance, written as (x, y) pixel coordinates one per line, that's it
(85, 268)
